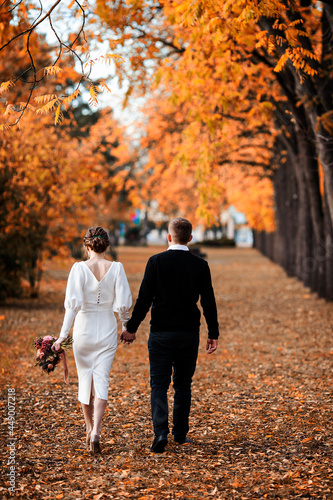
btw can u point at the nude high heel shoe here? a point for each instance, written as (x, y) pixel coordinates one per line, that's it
(94, 445)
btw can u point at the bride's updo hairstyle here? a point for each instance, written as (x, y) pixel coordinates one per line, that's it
(97, 239)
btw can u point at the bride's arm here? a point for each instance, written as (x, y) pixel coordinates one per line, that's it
(73, 302)
(123, 298)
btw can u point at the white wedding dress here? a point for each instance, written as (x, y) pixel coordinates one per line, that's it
(92, 303)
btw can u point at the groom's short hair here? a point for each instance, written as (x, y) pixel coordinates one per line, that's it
(180, 230)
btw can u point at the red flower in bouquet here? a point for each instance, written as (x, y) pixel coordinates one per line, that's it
(48, 359)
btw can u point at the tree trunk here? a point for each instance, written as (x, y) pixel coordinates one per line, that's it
(286, 210)
(329, 250)
(314, 264)
(325, 147)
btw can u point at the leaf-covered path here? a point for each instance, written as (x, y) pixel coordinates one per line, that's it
(261, 419)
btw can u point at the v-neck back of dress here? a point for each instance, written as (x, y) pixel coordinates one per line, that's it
(99, 281)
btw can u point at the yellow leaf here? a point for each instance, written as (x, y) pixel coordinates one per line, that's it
(6, 85)
(282, 61)
(93, 101)
(58, 115)
(48, 107)
(118, 60)
(45, 98)
(326, 120)
(9, 108)
(104, 86)
(52, 70)
(24, 105)
(71, 97)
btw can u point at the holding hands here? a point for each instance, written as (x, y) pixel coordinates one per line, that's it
(127, 337)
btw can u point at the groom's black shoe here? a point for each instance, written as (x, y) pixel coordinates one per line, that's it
(159, 444)
(184, 440)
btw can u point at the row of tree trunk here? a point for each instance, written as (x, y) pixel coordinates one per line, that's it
(303, 241)
(303, 174)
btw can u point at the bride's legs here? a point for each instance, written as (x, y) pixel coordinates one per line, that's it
(88, 414)
(99, 409)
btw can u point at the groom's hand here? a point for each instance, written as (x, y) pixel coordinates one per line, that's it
(127, 337)
(211, 345)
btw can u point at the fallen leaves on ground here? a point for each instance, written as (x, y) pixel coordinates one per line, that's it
(261, 419)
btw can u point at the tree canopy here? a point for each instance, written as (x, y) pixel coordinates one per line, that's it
(238, 108)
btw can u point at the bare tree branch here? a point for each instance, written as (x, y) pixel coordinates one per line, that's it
(32, 27)
(62, 47)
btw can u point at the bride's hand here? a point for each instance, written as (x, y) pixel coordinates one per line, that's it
(57, 345)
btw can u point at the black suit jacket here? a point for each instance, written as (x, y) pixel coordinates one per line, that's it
(172, 284)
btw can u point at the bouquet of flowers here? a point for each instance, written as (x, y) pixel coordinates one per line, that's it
(48, 359)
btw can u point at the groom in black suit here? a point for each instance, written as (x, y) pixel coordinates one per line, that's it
(172, 284)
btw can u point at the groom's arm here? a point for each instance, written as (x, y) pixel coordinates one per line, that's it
(208, 303)
(145, 298)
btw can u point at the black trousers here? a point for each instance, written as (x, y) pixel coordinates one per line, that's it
(177, 352)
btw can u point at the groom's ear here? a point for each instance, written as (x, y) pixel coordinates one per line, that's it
(169, 238)
(190, 238)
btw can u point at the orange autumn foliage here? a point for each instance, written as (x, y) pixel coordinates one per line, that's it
(53, 186)
(225, 66)
(205, 124)
(222, 66)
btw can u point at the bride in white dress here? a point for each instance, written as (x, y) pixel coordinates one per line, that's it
(95, 290)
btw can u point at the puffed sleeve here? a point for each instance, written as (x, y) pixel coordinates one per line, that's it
(123, 296)
(73, 298)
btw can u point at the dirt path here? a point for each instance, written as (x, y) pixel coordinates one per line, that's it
(261, 416)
